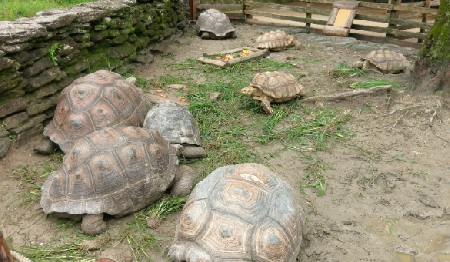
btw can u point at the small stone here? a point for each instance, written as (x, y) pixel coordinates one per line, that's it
(132, 80)
(154, 222)
(214, 95)
(46, 147)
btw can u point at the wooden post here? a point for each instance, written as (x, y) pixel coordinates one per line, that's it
(194, 9)
(424, 19)
(393, 14)
(308, 15)
(248, 5)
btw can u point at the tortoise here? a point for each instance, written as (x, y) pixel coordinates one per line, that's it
(276, 40)
(116, 170)
(273, 87)
(92, 102)
(177, 125)
(239, 213)
(383, 61)
(213, 24)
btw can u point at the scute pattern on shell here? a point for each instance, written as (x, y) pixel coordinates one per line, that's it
(116, 170)
(243, 212)
(174, 122)
(92, 102)
(278, 84)
(215, 22)
(388, 61)
(274, 40)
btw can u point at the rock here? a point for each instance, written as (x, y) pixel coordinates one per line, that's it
(12, 106)
(46, 147)
(193, 152)
(5, 63)
(178, 87)
(132, 80)
(5, 144)
(51, 22)
(15, 120)
(11, 33)
(214, 95)
(145, 58)
(47, 76)
(154, 222)
(38, 67)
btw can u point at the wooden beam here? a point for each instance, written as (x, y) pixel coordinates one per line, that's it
(394, 32)
(382, 39)
(424, 19)
(219, 6)
(286, 17)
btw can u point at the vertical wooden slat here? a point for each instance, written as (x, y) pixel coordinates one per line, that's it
(194, 9)
(191, 11)
(424, 19)
(248, 5)
(308, 15)
(393, 14)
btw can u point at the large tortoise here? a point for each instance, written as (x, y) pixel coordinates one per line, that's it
(273, 87)
(274, 41)
(239, 213)
(117, 170)
(92, 102)
(384, 61)
(177, 125)
(213, 24)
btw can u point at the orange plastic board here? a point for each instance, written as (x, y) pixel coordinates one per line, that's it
(341, 17)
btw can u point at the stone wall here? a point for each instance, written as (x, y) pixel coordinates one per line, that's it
(41, 55)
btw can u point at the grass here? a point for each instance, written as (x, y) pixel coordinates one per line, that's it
(374, 82)
(344, 70)
(13, 9)
(33, 177)
(166, 206)
(314, 178)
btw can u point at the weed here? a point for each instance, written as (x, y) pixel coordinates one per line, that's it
(390, 224)
(344, 70)
(12, 138)
(52, 53)
(400, 158)
(4, 126)
(166, 206)
(314, 178)
(372, 83)
(167, 55)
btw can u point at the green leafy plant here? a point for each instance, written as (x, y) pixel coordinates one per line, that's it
(52, 53)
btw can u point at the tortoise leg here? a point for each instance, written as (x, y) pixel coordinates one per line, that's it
(182, 251)
(234, 35)
(265, 103)
(205, 35)
(93, 224)
(184, 180)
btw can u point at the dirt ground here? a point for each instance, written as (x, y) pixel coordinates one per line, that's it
(387, 195)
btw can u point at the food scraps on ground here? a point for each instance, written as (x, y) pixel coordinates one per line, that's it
(165, 96)
(228, 57)
(159, 91)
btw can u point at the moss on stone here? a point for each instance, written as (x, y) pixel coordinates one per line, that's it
(437, 44)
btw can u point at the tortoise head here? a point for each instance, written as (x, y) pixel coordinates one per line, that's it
(249, 90)
(358, 64)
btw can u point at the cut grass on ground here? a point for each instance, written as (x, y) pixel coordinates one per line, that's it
(13, 9)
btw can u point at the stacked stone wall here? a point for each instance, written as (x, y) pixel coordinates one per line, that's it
(41, 55)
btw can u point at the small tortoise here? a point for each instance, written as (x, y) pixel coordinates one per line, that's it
(383, 61)
(273, 87)
(274, 41)
(239, 213)
(212, 24)
(92, 102)
(177, 125)
(116, 170)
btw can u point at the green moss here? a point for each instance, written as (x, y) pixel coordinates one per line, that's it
(437, 44)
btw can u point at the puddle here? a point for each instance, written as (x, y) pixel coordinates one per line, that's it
(403, 257)
(443, 257)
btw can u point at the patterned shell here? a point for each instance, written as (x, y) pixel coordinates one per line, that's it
(273, 40)
(174, 122)
(116, 170)
(97, 100)
(388, 61)
(278, 84)
(240, 213)
(213, 21)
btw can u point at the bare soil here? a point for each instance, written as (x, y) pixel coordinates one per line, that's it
(387, 192)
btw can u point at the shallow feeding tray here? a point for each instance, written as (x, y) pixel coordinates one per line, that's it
(228, 58)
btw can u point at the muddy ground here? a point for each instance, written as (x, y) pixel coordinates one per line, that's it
(387, 192)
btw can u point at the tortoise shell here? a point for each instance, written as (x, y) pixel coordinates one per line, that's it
(278, 84)
(387, 61)
(174, 122)
(116, 170)
(215, 22)
(92, 102)
(240, 213)
(274, 41)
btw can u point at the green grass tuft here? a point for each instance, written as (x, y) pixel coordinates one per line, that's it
(372, 83)
(344, 70)
(314, 178)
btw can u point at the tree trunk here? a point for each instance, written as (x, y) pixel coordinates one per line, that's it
(432, 71)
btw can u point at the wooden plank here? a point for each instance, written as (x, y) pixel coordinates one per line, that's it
(391, 31)
(308, 15)
(413, 9)
(335, 30)
(194, 10)
(285, 17)
(393, 14)
(382, 39)
(346, 4)
(266, 23)
(342, 17)
(332, 16)
(299, 9)
(219, 6)
(248, 5)
(350, 18)
(235, 16)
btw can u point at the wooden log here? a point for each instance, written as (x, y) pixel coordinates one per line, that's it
(390, 31)
(335, 30)
(382, 39)
(219, 6)
(299, 9)
(257, 53)
(413, 9)
(194, 10)
(346, 4)
(350, 18)
(285, 17)
(332, 16)
(347, 94)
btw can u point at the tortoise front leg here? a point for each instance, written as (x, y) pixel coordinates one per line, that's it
(93, 224)
(265, 103)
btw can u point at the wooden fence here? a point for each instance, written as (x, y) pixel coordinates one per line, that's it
(398, 17)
